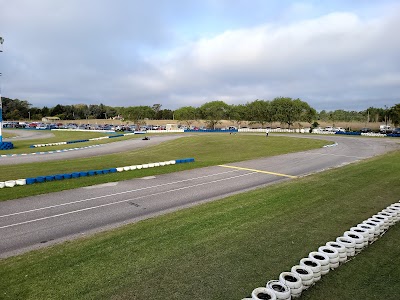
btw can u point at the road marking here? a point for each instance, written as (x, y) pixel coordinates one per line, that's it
(114, 194)
(122, 201)
(339, 155)
(258, 171)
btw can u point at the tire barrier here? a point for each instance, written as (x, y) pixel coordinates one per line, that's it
(50, 152)
(79, 141)
(6, 145)
(57, 177)
(329, 257)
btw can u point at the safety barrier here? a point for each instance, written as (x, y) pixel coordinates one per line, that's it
(6, 145)
(50, 152)
(83, 140)
(328, 257)
(49, 178)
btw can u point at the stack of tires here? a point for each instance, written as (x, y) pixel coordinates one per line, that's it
(328, 257)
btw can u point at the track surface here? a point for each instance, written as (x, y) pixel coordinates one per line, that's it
(35, 222)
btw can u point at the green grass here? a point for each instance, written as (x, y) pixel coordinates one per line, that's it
(23, 146)
(208, 150)
(7, 135)
(224, 249)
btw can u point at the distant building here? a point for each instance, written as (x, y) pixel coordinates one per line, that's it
(50, 119)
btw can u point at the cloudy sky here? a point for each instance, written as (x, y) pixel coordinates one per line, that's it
(342, 54)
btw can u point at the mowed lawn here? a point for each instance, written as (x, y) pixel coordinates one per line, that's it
(23, 146)
(208, 150)
(224, 249)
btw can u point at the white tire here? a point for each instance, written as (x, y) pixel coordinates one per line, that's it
(338, 246)
(370, 228)
(132, 167)
(291, 280)
(384, 219)
(20, 182)
(348, 242)
(145, 166)
(9, 183)
(2, 184)
(375, 225)
(322, 258)
(167, 163)
(282, 292)
(162, 163)
(151, 165)
(127, 168)
(157, 164)
(139, 167)
(334, 265)
(308, 283)
(379, 222)
(313, 264)
(343, 259)
(120, 169)
(358, 238)
(390, 217)
(172, 162)
(304, 272)
(363, 232)
(262, 293)
(329, 251)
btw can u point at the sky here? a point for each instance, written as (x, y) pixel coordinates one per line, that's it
(342, 54)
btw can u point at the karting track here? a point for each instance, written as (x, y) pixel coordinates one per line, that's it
(39, 221)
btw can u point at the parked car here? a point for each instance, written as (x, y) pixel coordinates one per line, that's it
(396, 131)
(341, 129)
(384, 129)
(365, 130)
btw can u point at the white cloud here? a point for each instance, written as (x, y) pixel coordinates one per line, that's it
(138, 53)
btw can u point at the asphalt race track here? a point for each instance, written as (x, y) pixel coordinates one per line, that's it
(38, 221)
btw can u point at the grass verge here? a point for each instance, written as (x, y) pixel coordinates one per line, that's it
(224, 249)
(208, 150)
(23, 146)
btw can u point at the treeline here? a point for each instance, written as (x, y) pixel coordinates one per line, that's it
(281, 109)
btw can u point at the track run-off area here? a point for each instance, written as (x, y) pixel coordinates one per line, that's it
(38, 221)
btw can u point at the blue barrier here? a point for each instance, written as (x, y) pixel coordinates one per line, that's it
(59, 177)
(116, 135)
(30, 180)
(86, 173)
(348, 133)
(49, 178)
(6, 145)
(40, 179)
(77, 141)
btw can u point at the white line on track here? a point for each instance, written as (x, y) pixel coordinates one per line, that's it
(122, 201)
(114, 194)
(330, 154)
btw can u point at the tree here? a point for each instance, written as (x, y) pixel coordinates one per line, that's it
(156, 108)
(394, 114)
(260, 111)
(238, 113)
(186, 114)
(288, 111)
(213, 112)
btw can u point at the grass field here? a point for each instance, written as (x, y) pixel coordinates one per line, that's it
(207, 149)
(224, 249)
(23, 146)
